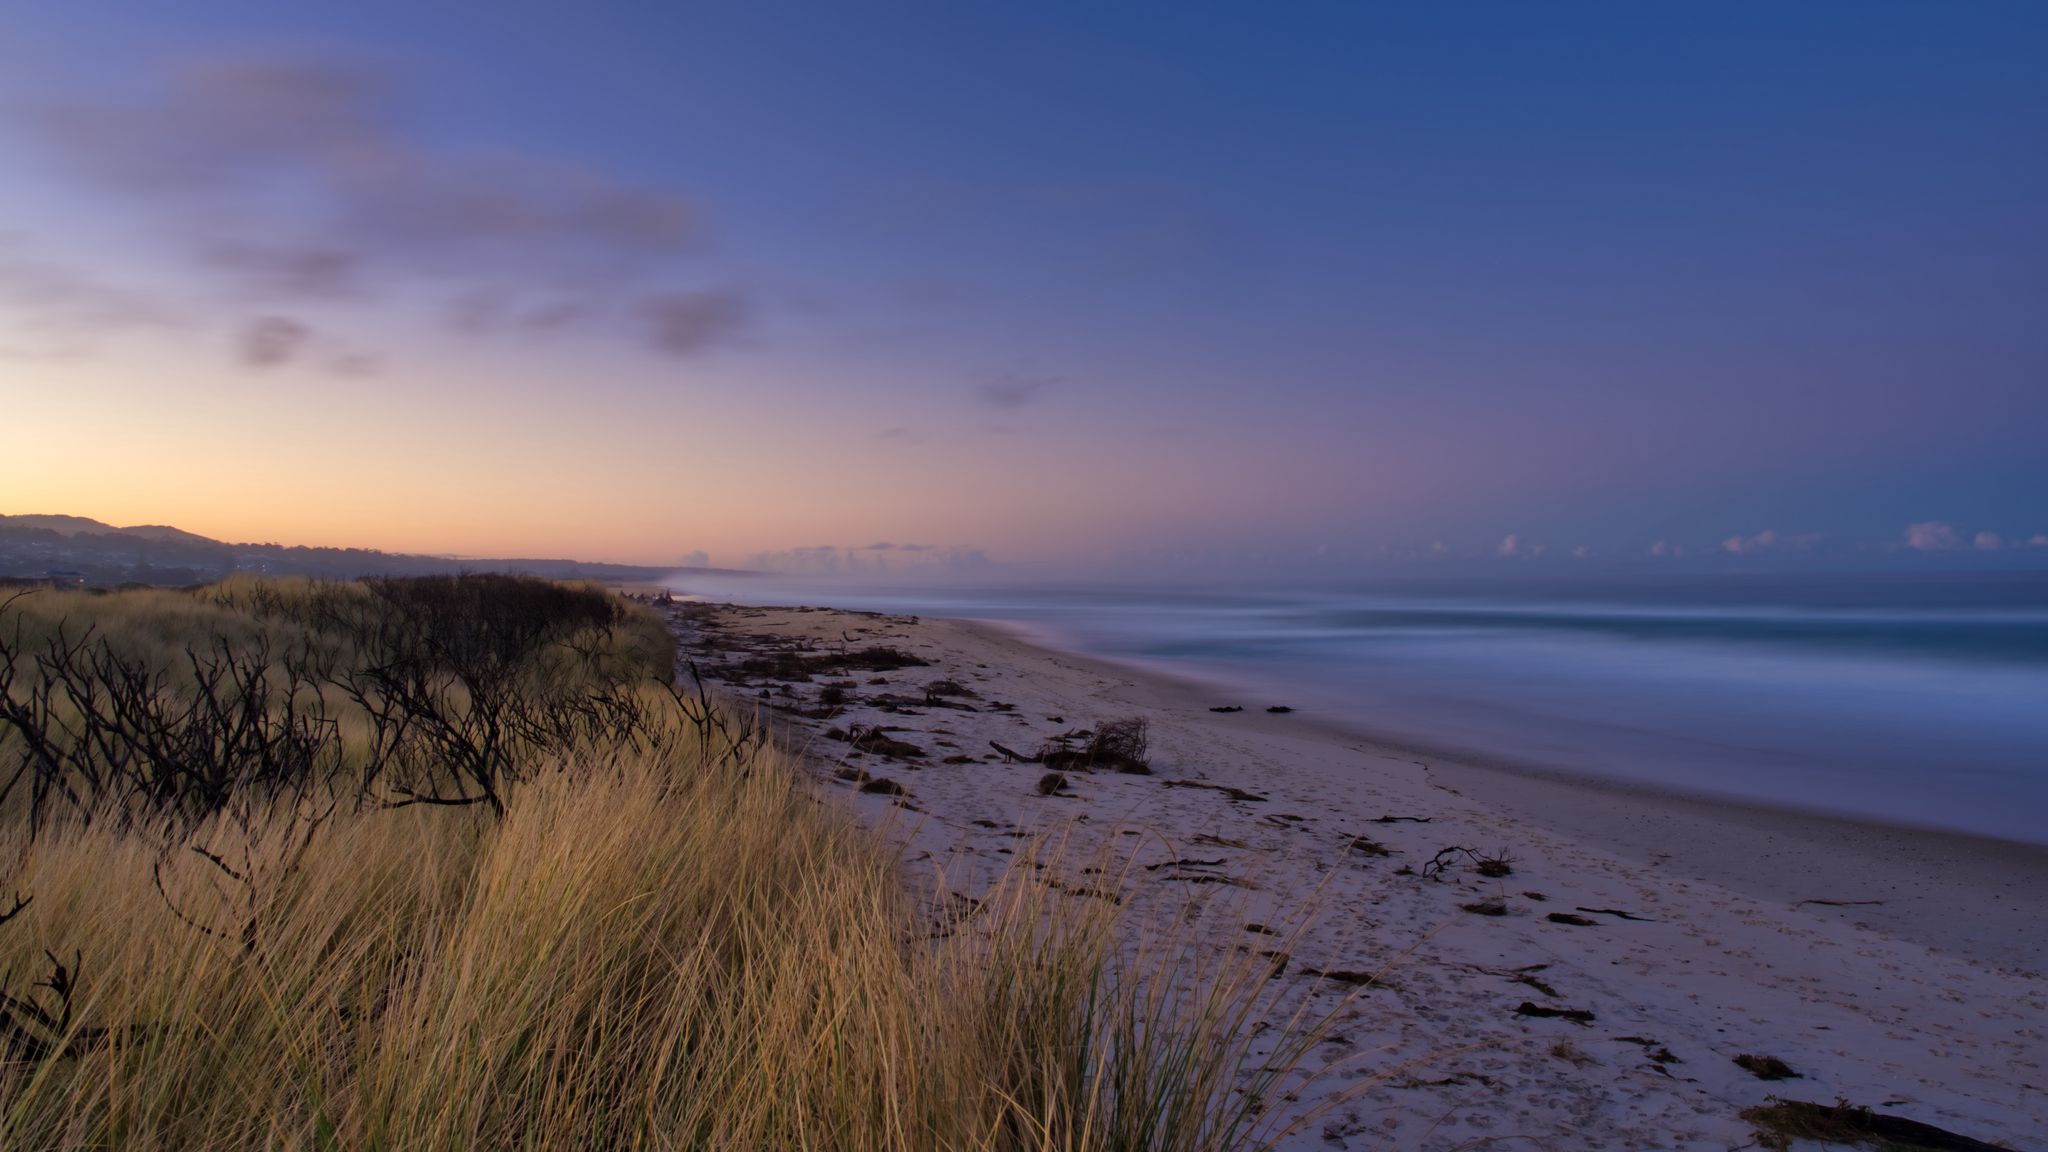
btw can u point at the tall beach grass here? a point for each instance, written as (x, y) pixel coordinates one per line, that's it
(680, 944)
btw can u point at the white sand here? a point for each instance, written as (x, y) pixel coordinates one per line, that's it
(1931, 1004)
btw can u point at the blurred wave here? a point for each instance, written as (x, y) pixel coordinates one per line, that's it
(1919, 701)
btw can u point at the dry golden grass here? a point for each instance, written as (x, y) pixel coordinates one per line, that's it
(668, 950)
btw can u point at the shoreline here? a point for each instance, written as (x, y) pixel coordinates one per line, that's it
(1982, 897)
(1595, 986)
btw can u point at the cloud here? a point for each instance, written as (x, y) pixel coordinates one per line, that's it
(336, 138)
(820, 560)
(1932, 536)
(65, 311)
(696, 559)
(273, 341)
(556, 315)
(1012, 391)
(1661, 549)
(686, 323)
(1770, 540)
(1988, 542)
(1510, 545)
(312, 178)
(1761, 542)
(355, 364)
(296, 272)
(2037, 541)
(873, 560)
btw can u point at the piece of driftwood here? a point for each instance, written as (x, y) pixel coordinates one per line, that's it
(1227, 790)
(1579, 1016)
(1780, 1122)
(1617, 912)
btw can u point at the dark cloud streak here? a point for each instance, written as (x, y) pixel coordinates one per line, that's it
(273, 341)
(1014, 390)
(687, 323)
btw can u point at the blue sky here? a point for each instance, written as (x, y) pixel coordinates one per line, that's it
(1231, 286)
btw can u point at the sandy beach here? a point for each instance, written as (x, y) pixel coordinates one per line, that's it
(1595, 993)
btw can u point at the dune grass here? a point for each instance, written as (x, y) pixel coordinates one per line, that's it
(673, 944)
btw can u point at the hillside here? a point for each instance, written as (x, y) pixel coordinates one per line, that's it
(80, 550)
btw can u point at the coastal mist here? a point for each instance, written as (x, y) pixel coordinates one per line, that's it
(1909, 699)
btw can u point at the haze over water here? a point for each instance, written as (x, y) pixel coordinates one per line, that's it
(1918, 700)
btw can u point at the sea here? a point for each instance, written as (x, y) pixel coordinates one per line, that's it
(1912, 699)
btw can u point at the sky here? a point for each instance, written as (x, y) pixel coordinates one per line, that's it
(1060, 288)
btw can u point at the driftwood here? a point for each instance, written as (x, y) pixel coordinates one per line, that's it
(1185, 864)
(1842, 1123)
(1344, 976)
(1579, 1016)
(1491, 866)
(1227, 790)
(1617, 912)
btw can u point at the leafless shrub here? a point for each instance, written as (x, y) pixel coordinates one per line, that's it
(1121, 745)
(1124, 744)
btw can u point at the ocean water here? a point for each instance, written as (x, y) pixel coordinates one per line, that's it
(1917, 700)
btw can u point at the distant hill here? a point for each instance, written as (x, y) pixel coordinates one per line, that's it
(163, 533)
(81, 550)
(62, 525)
(87, 526)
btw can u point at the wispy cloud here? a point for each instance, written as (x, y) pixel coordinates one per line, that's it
(1987, 541)
(874, 559)
(1510, 545)
(292, 272)
(308, 179)
(1013, 390)
(63, 311)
